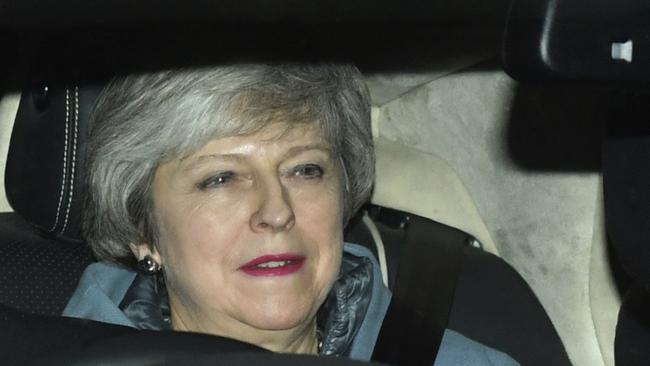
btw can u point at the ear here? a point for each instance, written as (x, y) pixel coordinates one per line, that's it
(142, 250)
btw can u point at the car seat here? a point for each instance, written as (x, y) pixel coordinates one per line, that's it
(626, 181)
(42, 252)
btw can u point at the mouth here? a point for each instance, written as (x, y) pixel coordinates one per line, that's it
(274, 265)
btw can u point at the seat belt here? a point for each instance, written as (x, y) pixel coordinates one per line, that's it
(419, 310)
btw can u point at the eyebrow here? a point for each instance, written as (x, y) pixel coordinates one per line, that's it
(293, 151)
(299, 149)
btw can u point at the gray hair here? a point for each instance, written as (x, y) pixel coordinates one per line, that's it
(141, 121)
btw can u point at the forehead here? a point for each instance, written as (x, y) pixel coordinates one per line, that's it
(281, 132)
(279, 137)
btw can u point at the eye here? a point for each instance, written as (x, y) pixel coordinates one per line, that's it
(217, 180)
(308, 171)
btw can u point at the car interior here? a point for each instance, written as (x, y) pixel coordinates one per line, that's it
(514, 132)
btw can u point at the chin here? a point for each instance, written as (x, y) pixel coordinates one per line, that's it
(280, 317)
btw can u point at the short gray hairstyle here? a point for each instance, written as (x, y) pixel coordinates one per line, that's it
(141, 121)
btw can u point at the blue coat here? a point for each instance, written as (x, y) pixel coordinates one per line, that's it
(103, 287)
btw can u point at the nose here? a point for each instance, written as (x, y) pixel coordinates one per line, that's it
(274, 212)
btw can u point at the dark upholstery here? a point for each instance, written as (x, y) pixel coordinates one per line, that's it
(632, 335)
(41, 251)
(626, 179)
(37, 274)
(626, 182)
(492, 295)
(44, 173)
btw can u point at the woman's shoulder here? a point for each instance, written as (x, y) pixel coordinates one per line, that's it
(456, 349)
(97, 297)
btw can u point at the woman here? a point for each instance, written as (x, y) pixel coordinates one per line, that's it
(230, 188)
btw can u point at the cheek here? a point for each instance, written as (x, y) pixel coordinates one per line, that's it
(199, 243)
(193, 234)
(319, 219)
(318, 209)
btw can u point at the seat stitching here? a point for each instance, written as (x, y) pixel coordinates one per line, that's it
(74, 156)
(65, 158)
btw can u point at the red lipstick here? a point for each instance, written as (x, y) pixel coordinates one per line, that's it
(274, 265)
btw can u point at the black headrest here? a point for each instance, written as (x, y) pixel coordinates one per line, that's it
(45, 165)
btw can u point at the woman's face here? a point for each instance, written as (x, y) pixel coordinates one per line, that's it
(250, 231)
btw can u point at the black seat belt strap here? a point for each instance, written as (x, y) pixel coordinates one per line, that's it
(424, 290)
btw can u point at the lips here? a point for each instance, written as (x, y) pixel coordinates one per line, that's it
(274, 265)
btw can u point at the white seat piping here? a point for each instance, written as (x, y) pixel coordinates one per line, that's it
(379, 244)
